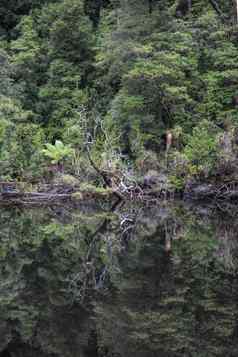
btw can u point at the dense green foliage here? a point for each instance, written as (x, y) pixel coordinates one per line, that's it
(104, 81)
(120, 73)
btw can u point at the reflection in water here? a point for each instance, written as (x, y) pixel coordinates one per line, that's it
(145, 282)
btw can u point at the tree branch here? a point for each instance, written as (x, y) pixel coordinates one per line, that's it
(216, 7)
(106, 180)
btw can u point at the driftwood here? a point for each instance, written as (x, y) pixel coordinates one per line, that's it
(216, 192)
(28, 198)
(52, 194)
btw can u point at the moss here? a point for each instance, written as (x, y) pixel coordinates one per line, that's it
(65, 179)
(178, 183)
(77, 196)
(89, 188)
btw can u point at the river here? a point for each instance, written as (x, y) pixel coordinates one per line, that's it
(159, 281)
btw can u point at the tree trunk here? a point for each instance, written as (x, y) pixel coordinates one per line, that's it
(236, 11)
(189, 5)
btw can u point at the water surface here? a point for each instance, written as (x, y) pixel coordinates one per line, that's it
(131, 281)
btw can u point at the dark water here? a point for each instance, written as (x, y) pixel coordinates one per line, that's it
(134, 281)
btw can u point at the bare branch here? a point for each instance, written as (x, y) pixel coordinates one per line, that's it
(106, 180)
(216, 7)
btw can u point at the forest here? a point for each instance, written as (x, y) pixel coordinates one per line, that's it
(119, 93)
(115, 116)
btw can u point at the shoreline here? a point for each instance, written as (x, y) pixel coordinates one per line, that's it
(53, 194)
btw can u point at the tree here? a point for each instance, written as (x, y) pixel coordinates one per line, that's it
(52, 69)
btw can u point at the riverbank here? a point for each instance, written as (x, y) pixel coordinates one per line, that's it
(13, 193)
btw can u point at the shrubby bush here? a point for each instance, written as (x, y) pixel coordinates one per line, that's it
(202, 149)
(138, 69)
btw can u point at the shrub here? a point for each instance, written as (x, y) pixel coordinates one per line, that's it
(202, 149)
(58, 152)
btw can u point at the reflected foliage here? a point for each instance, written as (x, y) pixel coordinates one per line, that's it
(161, 280)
